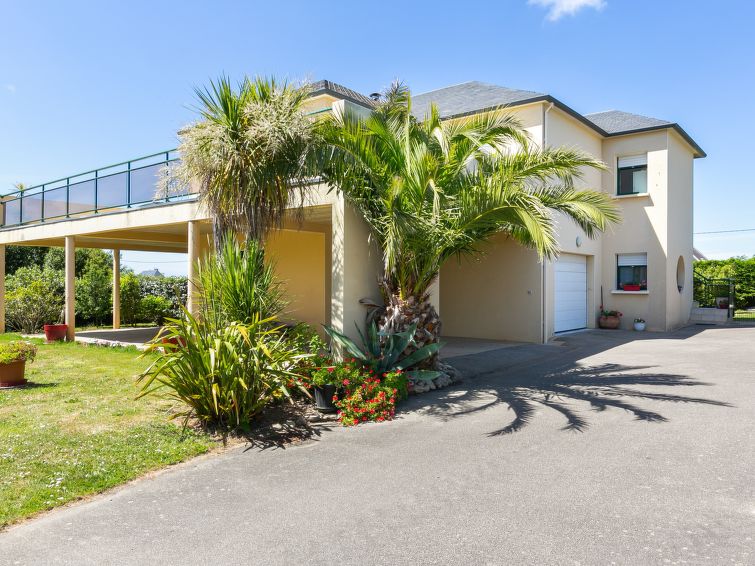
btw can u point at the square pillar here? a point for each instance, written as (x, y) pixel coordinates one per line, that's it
(355, 267)
(194, 244)
(116, 288)
(2, 289)
(70, 305)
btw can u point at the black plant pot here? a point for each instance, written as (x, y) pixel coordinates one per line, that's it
(324, 398)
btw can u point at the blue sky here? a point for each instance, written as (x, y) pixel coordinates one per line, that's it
(85, 84)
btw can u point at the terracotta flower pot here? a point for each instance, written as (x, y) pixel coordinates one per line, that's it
(12, 374)
(55, 332)
(609, 322)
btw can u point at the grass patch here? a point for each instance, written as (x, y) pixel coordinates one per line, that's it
(77, 430)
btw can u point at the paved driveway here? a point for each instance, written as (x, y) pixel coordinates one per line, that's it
(605, 448)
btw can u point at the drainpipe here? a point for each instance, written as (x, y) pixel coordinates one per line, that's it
(544, 305)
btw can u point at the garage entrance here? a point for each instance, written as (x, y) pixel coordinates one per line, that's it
(570, 293)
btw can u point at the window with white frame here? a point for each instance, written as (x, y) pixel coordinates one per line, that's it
(632, 175)
(632, 272)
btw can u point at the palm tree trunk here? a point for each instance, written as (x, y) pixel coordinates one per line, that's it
(399, 314)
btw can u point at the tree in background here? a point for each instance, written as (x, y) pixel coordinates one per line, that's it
(741, 269)
(24, 256)
(33, 298)
(131, 295)
(94, 289)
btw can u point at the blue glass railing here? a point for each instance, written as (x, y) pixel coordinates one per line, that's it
(120, 186)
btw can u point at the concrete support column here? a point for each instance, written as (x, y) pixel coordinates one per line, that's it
(434, 294)
(355, 267)
(2, 289)
(70, 306)
(116, 288)
(192, 296)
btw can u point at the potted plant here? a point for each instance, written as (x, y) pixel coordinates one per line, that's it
(609, 319)
(328, 380)
(13, 358)
(639, 324)
(56, 332)
(631, 286)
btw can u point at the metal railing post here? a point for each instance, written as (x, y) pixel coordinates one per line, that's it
(167, 172)
(128, 185)
(95, 192)
(68, 197)
(42, 211)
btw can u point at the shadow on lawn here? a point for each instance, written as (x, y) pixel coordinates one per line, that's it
(600, 387)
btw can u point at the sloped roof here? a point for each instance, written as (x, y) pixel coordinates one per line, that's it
(474, 96)
(616, 121)
(340, 91)
(469, 98)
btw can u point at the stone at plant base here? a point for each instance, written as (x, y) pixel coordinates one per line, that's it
(443, 380)
(453, 373)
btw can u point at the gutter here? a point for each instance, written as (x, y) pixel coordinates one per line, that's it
(544, 304)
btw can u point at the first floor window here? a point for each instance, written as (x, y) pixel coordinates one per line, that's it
(632, 272)
(633, 175)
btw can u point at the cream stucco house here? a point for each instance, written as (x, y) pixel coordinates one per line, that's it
(642, 267)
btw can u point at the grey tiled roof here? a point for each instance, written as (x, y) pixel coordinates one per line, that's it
(616, 121)
(468, 98)
(340, 91)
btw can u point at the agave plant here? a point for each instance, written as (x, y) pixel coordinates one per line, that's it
(384, 352)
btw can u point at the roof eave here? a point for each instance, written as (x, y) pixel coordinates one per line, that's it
(698, 151)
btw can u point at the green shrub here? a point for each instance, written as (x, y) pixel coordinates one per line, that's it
(304, 338)
(741, 269)
(173, 289)
(94, 291)
(238, 286)
(154, 309)
(225, 375)
(34, 297)
(131, 296)
(17, 351)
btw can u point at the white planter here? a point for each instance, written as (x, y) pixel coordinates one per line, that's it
(639, 326)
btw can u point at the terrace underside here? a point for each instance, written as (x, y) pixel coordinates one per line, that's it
(301, 250)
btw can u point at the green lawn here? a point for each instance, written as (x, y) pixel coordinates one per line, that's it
(78, 430)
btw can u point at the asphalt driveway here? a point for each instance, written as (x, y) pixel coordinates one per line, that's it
(606, 447)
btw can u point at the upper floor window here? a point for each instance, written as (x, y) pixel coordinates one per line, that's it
(633, 175)
(632, 272)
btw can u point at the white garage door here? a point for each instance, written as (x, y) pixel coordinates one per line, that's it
(571, 292)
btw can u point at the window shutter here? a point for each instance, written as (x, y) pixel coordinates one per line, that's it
(628, 260)
(633, 161)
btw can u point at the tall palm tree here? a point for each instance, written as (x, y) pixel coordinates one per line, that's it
(248, 153)
(434, 189)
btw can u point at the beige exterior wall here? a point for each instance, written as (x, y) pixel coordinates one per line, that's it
(680, 230)
(562, 130)
(300, 263)
(496, 295)
(644, 229)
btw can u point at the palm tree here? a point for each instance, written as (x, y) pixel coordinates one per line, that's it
(247, 153)
(434, 189)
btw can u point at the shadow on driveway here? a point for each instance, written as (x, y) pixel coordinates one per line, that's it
(551, 376)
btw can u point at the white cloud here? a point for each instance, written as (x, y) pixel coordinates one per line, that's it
(560, 8)
(10, 88)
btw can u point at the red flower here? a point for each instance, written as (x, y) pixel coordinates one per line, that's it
(346, 382)
(330, 370)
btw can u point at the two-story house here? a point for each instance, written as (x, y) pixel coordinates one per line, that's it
(642, 267)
